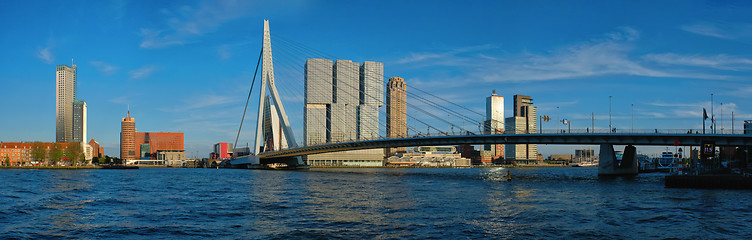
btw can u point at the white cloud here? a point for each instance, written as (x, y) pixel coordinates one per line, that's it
(720, 61)
(187, 23)
(143, 72)
(707, 30)
(104, 67)
(224, 52)
(449, 57)
(45, 55)
(606, 55)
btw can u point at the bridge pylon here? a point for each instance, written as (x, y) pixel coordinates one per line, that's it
(267, 83)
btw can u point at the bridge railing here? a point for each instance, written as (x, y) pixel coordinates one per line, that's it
(640, 131)
(566, 131)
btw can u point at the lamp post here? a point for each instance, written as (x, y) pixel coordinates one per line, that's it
(632, 117)
(558, 118)
(610, 128)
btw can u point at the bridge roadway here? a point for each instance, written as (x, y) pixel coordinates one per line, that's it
(685, 139)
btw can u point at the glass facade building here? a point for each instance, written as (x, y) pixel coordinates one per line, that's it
(65, 93)
(79, 121)
(342, 100)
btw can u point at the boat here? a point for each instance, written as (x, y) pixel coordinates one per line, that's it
(666, 163)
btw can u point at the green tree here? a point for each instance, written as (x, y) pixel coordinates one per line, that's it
(56, 153)
(72, 151)
(7, 161)
(38, 152)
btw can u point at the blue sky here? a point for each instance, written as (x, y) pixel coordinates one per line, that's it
(186, 65)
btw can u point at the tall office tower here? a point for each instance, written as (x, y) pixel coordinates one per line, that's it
(346, 94)
(494, 123)
(342, 101)
(396, 114)
(79, 121)
(318, 101)
(65, 93)
(524, 121)
(371, 98)
(128, 138)
(274, 138)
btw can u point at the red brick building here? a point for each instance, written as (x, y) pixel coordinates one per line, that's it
(128, 138)
(19, 153)
(96, 150)
(145, 145)
(158, 141)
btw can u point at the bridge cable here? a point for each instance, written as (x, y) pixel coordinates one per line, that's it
(246, 102)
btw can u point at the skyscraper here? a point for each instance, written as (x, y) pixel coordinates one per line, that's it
(65, 93)
(341, 104)
(128, 138)
(79, 121)
(396, 114)
(318, 101)
(371, 98)
(494, 123)
(524, 121)
(346, 96)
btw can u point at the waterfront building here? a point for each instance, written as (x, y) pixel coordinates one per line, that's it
(79, 121)
(341, 104)
(65, 94)
(318, 101)
(584, 155)
(524, 121)
(20, 153)
(396, 112)
(128, 137)
(430, 156)
(222, 151)
(747, 126)
(159, 144)
(136, 145)
(371, 98)
(494, 124)
(346, 92)
(96, 149)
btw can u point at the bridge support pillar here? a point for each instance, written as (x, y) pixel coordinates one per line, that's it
(609, 165)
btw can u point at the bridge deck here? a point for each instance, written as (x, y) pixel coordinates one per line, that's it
(573, 139)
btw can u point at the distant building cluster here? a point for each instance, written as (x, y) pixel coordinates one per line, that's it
(43, 153)
(222, 151)
(160, 146)
(70, 112)
(430, 156)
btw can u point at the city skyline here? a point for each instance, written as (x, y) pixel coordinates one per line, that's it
(188, 68)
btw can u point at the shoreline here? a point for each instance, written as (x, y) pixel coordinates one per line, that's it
(71, 167)
(321, 167)
(490, 166)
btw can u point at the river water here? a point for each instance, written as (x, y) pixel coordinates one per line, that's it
(372, 203)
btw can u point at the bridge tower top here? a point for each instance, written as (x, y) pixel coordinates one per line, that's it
(267, 82)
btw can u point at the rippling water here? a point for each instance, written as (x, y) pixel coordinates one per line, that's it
(465, 203)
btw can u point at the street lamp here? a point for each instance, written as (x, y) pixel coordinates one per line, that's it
(558, 118)
(610, 128)
(632, 117)
(712, 115)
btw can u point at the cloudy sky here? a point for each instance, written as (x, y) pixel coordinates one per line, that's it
(186, 66)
